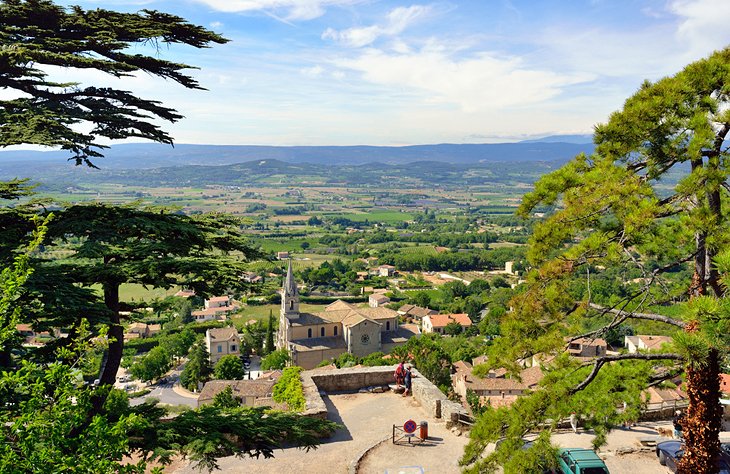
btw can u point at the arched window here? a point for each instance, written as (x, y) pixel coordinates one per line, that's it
(321, 332)
(291, 305)
(335, 330)
(309, 332)
(387, 325)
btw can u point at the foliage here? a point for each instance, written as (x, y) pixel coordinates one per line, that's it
(375, 359)
(225, 399)
(210, 432)
(270, 333)
(419, 298)
(474, 403)
(254, 335)
(275, 360)
(47, 112)
(453, 329)
(197, 370)
(112, 245)
(288, 389)
(44, 416)
(346, 359)
(229, 367)
(152, 366)
(159, 359)
(613, 212)
(185, 311)
(431, 360)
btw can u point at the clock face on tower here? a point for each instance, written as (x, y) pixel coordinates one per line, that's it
(364, 338)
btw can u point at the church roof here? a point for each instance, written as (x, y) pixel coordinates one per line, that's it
(340, 305)
(377, 313)
(336, 316)
(356, 318)
(309, 319)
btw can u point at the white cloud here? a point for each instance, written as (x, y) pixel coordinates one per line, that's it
(294, 9)
(396, 22)
(314, 71)
(480, 82)
(703, 25)
(216, 25)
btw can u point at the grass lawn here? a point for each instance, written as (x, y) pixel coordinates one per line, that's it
(135, 292)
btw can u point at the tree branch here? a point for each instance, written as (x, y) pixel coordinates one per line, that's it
(646, 316)
(601, 361)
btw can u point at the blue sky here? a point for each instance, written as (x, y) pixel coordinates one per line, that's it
(346, 72)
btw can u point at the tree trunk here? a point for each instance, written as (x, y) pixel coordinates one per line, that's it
(702, 421)
(115, 334)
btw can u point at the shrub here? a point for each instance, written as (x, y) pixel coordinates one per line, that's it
(275, 360)
(289, 389)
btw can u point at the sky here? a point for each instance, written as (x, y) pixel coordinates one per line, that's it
(368, 72)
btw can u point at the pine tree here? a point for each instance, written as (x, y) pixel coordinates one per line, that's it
(622, 208)
(270, 334)
(37, 34)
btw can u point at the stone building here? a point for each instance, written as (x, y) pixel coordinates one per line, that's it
(222, 342)
(342, 327)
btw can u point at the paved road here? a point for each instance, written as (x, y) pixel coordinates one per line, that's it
(165, 394)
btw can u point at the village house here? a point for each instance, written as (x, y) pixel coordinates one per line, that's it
(496, 389)
(282, 255)
(26, 330)
(663, 398)
(32, 337)
(587, 347)
(342, 327)
(438, 322)
(378, 299)
(222, 342)
(216, 308)
(386, 270)
(416, 313)
(250, 277)
(645, 343)
(251, 393)
(142, 330)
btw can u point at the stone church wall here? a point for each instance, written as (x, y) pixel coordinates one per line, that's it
(311, 359)
(369, 329)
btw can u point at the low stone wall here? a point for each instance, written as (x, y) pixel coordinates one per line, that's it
(427, 394)
(352, 379)
(435, 402)
(314, 404)
(320, 381)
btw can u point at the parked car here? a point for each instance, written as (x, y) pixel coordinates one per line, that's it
(580, 461)
(669, 452)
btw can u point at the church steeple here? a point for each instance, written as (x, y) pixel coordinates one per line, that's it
(290, 295)
(290, 286)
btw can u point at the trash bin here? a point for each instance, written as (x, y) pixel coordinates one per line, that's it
(423, 434)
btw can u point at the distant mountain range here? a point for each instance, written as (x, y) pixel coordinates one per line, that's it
(153, 155)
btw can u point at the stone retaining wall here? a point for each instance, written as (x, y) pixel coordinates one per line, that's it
(352, 379)
(321, 381)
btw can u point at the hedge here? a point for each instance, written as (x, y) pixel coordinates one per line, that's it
(289, 390)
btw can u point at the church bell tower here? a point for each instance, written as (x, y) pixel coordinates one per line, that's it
(290, 296)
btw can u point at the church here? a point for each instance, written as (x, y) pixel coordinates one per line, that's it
(342, 327)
